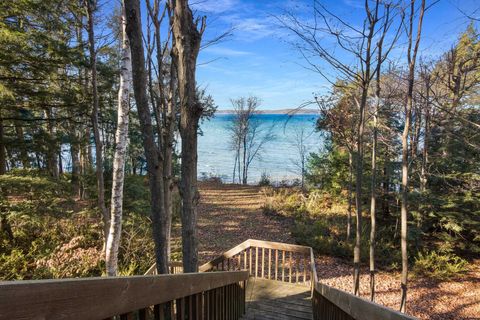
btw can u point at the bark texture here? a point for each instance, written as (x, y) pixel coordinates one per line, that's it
(187, 40)
(3, 153)
(153, 156)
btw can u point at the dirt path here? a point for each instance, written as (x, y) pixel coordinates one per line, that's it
(230, 214)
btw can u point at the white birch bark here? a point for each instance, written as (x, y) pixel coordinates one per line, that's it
(121, 141)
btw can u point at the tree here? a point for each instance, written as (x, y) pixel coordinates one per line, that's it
(91, 7)
(3, 155)
(247, 135)
(382, 54)
(152, 153)
(357, 44)
(338, 118)
(300, 144)
(187, 36)
(411, 56)
(113, 241)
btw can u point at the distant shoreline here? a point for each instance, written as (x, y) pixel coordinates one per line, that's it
(279, 111)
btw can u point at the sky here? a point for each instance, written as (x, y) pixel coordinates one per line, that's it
(259, 58)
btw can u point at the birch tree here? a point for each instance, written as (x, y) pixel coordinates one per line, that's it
(121, 142)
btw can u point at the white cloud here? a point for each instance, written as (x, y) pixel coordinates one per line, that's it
(215, 6)
(252, 29)
(223, 51)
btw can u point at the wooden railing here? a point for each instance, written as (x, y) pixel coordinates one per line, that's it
(182, 296)
(332, 304)
(173, 266)
(296, 264)
(268, 260)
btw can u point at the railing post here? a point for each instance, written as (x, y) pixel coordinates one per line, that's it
(269, 262)
(256, 262)
(276, 264)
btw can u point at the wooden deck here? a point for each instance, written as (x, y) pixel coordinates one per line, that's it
(269, 299)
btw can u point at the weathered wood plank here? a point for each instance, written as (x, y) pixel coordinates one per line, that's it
(359, 308)
(100, 298)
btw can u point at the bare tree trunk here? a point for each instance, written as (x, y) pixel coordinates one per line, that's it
(234, 167)
(52, 153)
(426, 138)
(23, 148)
(96, 131)
(244, 161)
(373, 19)
(3, 153)
(350, 192)
(185, 51)
(152, 154)
(74, 153)
(121, 137)
(358, 195)
(425, 158)
(373, 195)
(238, 166)
(405, 166)
(170, 121)
(60, 162)
(373, 199)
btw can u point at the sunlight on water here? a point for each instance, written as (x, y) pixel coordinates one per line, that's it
(216, 158)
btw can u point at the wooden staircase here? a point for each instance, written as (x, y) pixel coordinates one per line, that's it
(283, 284)
(254, 280)
(270, 299)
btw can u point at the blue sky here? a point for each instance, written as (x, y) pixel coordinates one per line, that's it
(258, 59)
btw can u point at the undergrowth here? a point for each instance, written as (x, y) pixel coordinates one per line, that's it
(319, 220)
(43, 226)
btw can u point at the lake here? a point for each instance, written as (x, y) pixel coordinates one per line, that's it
(277, 159)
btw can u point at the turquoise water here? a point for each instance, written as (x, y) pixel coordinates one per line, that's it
(215, 157)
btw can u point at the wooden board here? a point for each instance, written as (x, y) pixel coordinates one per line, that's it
(100, 298)
(270, 299)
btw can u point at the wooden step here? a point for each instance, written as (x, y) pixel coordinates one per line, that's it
(275, 300)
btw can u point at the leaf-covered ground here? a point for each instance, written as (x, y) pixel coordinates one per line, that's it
(230, 214)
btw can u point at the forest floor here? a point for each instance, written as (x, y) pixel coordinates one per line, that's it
(230, 214)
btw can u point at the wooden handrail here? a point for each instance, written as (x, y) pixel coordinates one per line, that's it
(327, 302)
(100, 298)
(267, 259)
(174, 266)
(355, 307)
(226, 255)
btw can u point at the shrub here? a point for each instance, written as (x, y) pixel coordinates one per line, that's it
(210, 177)
(13, 266)
(264, 180)
(439, 265)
